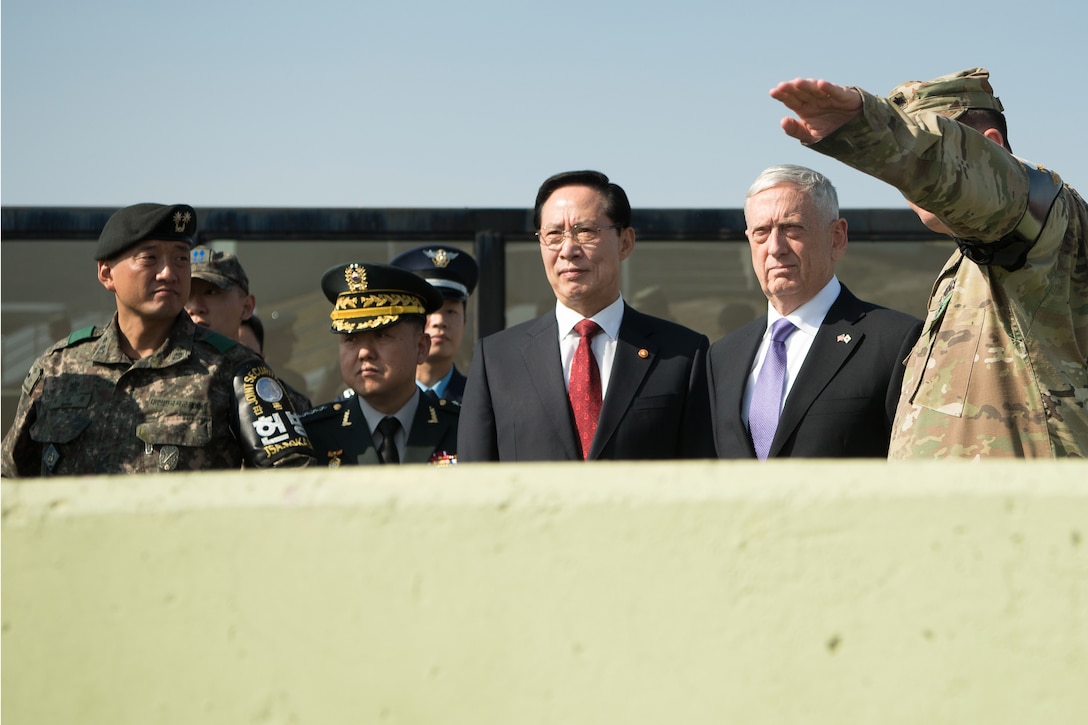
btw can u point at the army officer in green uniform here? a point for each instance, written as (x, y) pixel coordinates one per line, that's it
(379, 313)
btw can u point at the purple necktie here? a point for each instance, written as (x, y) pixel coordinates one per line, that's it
(769, 390)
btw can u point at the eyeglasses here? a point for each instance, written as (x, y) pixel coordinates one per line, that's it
(583, 236)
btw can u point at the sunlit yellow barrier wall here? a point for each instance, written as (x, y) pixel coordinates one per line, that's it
(790, 592)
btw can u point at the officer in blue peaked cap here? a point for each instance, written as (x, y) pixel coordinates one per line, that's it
(454, 273)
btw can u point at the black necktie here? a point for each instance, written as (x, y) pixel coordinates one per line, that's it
(388, 427)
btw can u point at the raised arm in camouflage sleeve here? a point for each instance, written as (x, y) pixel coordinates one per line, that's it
(1000, 368)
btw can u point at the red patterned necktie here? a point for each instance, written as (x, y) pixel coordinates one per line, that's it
(585, 386)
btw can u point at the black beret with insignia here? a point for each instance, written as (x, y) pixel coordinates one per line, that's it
(166, 222)
(453, 272)
(369, 296)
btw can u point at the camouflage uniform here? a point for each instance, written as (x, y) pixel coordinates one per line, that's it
(200, 401)
(1001, 368)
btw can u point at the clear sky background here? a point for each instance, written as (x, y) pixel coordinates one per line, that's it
(431, 103)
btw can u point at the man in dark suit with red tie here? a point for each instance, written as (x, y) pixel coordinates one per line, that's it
(594, 379)
(819, 375)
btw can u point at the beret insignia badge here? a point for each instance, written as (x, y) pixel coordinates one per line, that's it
(181, 220)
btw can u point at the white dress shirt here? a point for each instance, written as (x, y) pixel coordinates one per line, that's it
(603, 343)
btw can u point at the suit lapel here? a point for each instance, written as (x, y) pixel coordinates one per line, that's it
(455, 390)
(353, 436)
(734, 379)
(426, 433)
(635, 355)
(541, 355)
(835, 342)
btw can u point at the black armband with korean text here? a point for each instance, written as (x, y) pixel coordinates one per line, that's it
(269, 429)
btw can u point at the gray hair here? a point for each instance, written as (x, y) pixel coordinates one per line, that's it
(815, 184)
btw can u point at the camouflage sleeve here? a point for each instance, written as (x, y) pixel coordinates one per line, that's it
(978, 189)
(19, 455)
(269, 429)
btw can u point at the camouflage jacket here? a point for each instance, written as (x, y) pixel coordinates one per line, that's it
(1001, 368)
(200, 401)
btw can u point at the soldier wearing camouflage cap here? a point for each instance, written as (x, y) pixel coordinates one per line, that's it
(151, 391)
(453, 273)
(379, 314)
(220, 299)
(1001, 368)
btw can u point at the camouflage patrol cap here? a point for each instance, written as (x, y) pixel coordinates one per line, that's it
(132, 224)
(369, 296)
(453, 272)
(220, 268)
(949, 95)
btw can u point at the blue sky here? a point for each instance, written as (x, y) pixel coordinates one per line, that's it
(472, 104)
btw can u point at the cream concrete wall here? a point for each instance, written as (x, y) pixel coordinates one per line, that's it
(790, 592)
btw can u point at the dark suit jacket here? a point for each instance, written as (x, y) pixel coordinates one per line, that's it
(516, 407)
(843, 401)
(340, 436)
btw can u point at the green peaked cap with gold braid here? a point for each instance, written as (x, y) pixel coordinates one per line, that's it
(368, 296)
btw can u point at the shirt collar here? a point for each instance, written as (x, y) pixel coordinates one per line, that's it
(809, 316)
(405, 415)
(609, 318)
(439, 388)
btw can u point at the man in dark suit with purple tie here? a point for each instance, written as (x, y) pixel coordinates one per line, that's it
(593, 379)
(819, 375)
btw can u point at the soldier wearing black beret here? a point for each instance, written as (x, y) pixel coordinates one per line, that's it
(453, 273)
(379, 313)
(151, 391)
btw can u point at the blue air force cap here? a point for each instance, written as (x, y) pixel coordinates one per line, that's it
(449, 270)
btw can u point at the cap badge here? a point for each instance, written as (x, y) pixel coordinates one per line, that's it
(355, 276)
(181, 220)
(440, 257)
